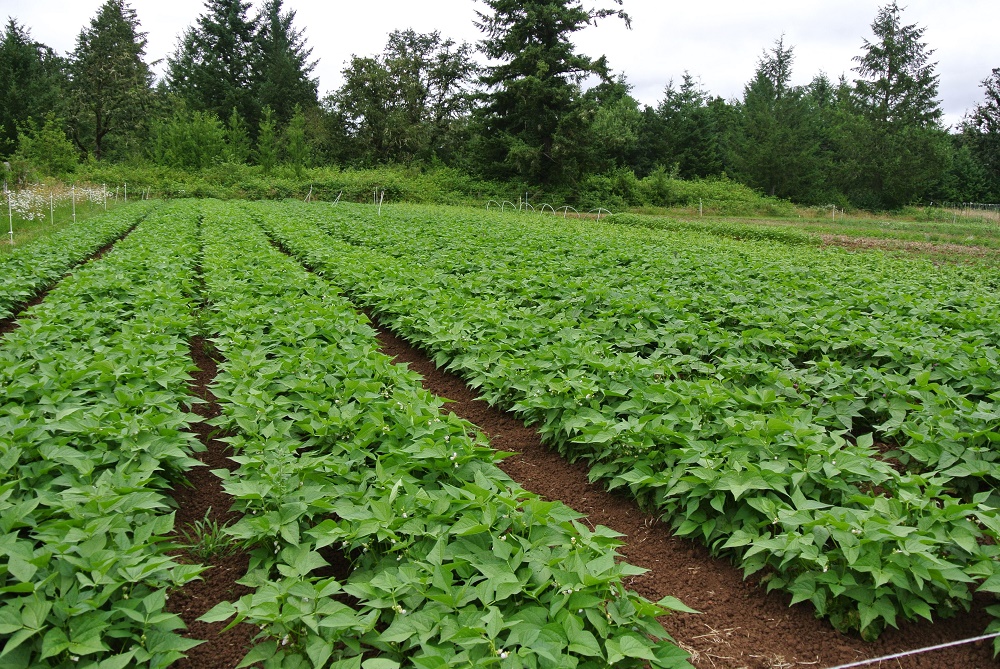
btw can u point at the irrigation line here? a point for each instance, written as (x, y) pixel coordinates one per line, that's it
(864, 663)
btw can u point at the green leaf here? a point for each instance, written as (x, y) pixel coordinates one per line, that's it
(262, 652)
(218, 613)
(674, 604)
(380, 663)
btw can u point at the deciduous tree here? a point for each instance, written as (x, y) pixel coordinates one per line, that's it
(45, 150)
(405, 103)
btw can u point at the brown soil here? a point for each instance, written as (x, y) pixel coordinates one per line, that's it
(932, 248)
(204, 495)
(740, 625)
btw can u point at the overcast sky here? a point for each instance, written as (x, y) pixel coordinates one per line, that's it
(718, 41)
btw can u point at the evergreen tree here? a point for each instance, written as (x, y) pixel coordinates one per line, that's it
(691, 142)
(533, 109)
(296, 146)
(237, 139)
(906, 149)
(281, 67)
(898, 86)
(110, 83)
(267, 141)
(774, 147)
(212, 67)
(830, 112)
(30, 82)
(981, 131)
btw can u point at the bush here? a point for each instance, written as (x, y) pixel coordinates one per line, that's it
(616, 190)
(437, 185)
(44, 152)
(188, 140)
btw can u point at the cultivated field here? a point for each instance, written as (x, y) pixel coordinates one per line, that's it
(826, 420)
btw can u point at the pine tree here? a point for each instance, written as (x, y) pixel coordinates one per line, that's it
(296, 146)
(237, 139)
(692, 142)
(281, 66)
(110, 83)
(906, 149)
(898, 86)
(774, 148)
(981, 129)
(267, 141)
(30, 83)
(212, 67)
(530, 116)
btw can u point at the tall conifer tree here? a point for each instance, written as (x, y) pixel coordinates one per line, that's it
(281, 65)
(212, 67)
(535, 87)
(30, 82)
(110, 83)
(906, 151)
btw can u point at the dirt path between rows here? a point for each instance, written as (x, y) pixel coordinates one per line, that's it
(944, 249)
(204, 497)
(739, 625)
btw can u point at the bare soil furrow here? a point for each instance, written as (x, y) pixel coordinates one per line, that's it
(204, 499)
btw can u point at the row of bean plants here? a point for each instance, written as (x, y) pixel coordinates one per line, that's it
(344, 457)
(757, 395)
(32, 268)
(92, 436)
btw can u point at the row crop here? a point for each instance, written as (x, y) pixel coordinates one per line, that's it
(92, 434)
(343, 456)
(737, 389)
(31, 268)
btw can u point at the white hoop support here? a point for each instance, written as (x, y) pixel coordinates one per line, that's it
(941, 646)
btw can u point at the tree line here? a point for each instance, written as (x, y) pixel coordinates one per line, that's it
(239, 88)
